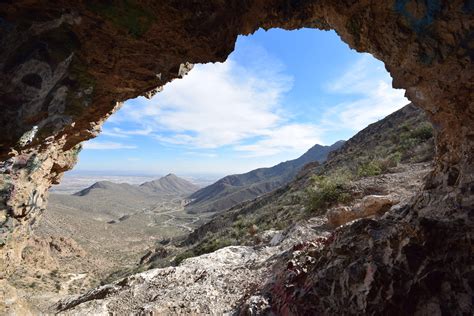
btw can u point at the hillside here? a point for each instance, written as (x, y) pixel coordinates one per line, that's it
(111, 187)
(170, 184)
(102, 231)
(394, 153)
(237, 188)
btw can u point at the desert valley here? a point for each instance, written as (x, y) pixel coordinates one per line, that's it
(109, 231)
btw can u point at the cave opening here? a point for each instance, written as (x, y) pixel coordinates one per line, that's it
(326, 94)
(82, 74)
(260, 107)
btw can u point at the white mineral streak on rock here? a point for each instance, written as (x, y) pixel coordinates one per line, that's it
(28, 136)
(184, 69)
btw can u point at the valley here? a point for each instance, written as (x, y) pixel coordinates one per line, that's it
(245, 254)
(100, 233)
(110, 231)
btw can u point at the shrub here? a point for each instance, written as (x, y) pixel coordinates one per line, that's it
(396, 157)
(368, 169)
(409, 139)
(328, 190)
(184, 255)
(423, 132)
(391, 161)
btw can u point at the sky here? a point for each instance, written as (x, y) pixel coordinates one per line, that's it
(278, 94)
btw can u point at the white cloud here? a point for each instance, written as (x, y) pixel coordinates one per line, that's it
(97, 145)
(215, 105)
(118, 132)
(201, 154)
(226, 104)
(371, 93)
(289, 138)
(223, 104)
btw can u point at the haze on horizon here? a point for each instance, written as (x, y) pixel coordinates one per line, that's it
(278, 94)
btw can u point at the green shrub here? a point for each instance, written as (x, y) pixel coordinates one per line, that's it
(207, 246)
(328, 190)
(409, 139)
(184, 255)
(396, 157)
(423, 132)
(391, 161)
(368, 169)
(213, 245)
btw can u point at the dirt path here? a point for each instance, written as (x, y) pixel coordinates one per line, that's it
(185, 226)
(174, 206)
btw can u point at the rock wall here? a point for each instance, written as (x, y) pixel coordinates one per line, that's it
(66, 66)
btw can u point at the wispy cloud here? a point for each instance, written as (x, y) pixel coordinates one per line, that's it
(223, 104)
(240, 108)
(215, 105)
(97, 145)
(371, 95)
(201, 154)
(291, 137)
(118, 132)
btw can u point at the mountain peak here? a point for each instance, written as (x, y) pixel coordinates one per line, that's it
(170, 184)
(237, 188)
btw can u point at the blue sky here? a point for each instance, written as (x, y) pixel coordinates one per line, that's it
(279, 93)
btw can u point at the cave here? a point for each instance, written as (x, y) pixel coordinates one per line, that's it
(66, 67)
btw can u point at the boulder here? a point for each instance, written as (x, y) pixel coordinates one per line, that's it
(369, 205)
(376, 204)
(340, 215)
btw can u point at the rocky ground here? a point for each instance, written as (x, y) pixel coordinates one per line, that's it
(209, 284)
(227, 279)
(73, 250)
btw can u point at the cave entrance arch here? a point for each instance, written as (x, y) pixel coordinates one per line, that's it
(66, 67)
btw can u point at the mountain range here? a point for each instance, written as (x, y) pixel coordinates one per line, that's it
(234, 189)
(403, 141)
(169, 184)
(106, 200)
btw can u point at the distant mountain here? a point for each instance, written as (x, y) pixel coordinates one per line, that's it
(234, 189)
(110, 200)
(102, 186)
(406, 134)
(170, 184)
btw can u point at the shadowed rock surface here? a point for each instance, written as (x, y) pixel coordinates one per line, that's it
(66, 66)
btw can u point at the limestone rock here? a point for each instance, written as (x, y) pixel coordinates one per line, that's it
(340, 215)
(369, 205)
(376, 204)
(209, 284)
